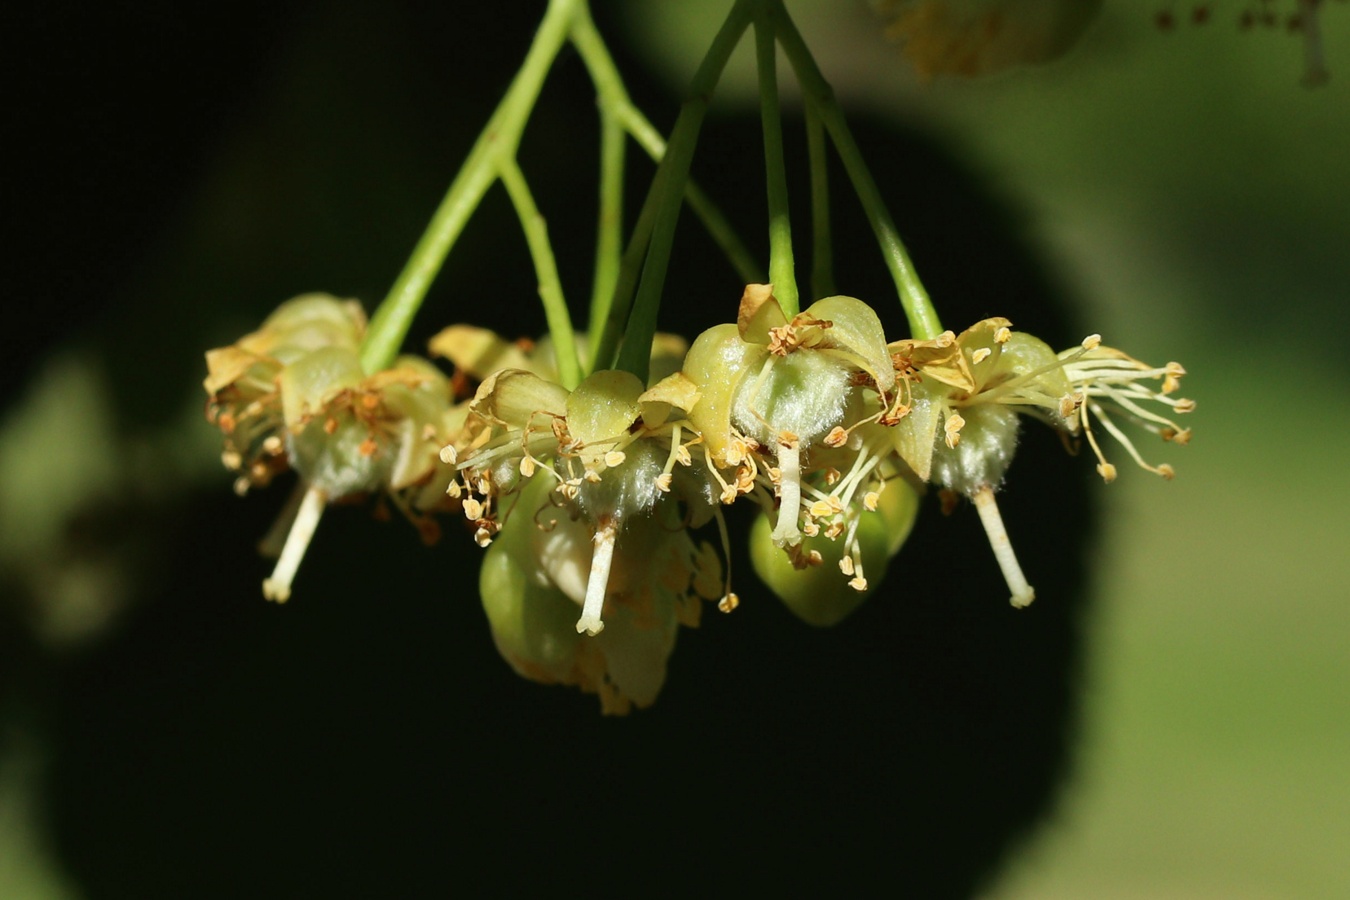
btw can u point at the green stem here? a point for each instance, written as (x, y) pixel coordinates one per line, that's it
(613, 99)
(609, 308)
(609, 228)
(546, 270)
(630, 269)
(498, 141)
(741, 259)
(923, 318)
(782, 269)
(822, 251)
(668, 189)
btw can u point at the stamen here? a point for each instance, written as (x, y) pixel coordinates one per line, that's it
(278, 587)
(729, 600)
(1165, 472)
(597, 586)
(952, 428)
(1022, 592)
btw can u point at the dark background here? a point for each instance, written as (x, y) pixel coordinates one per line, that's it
(185, 171)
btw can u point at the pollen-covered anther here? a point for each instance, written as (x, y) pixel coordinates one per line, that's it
(832, 476)
(1166, 471)
(728, 603)
(682, 455)
(1002, 335)
(745, 480)
(273, 445)
(1107, 471)
(981, 355)
(232, 460)
(952, 429)
(614, 458)
(527, 466)
(1182, 437)
(846, 565)
(870, 501)
(836, 438)
(859, 584)
(473, 509)
(810, 529)
(802, 558)
(663, 482)
(453, 490)
(1091, 342)
(834, 529)
(1069, 404)
(830, 506)
(483, 536)
(449, 455)
(1184, 406)
(592, 476)
(1172, 377)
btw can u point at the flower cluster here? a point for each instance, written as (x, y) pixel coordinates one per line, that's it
(293, 395)
(585, 498)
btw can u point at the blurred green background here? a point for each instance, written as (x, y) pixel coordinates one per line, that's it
(1190, 193)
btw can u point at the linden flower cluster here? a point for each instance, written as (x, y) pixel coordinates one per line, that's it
(293, 395)
(585, 498)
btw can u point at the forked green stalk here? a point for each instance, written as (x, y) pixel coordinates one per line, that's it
(546, 268)
(496, 143)
(747, 268)
(611, 287)
(782, 269)
(667, 190)
(822, 250)
(923, 319)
